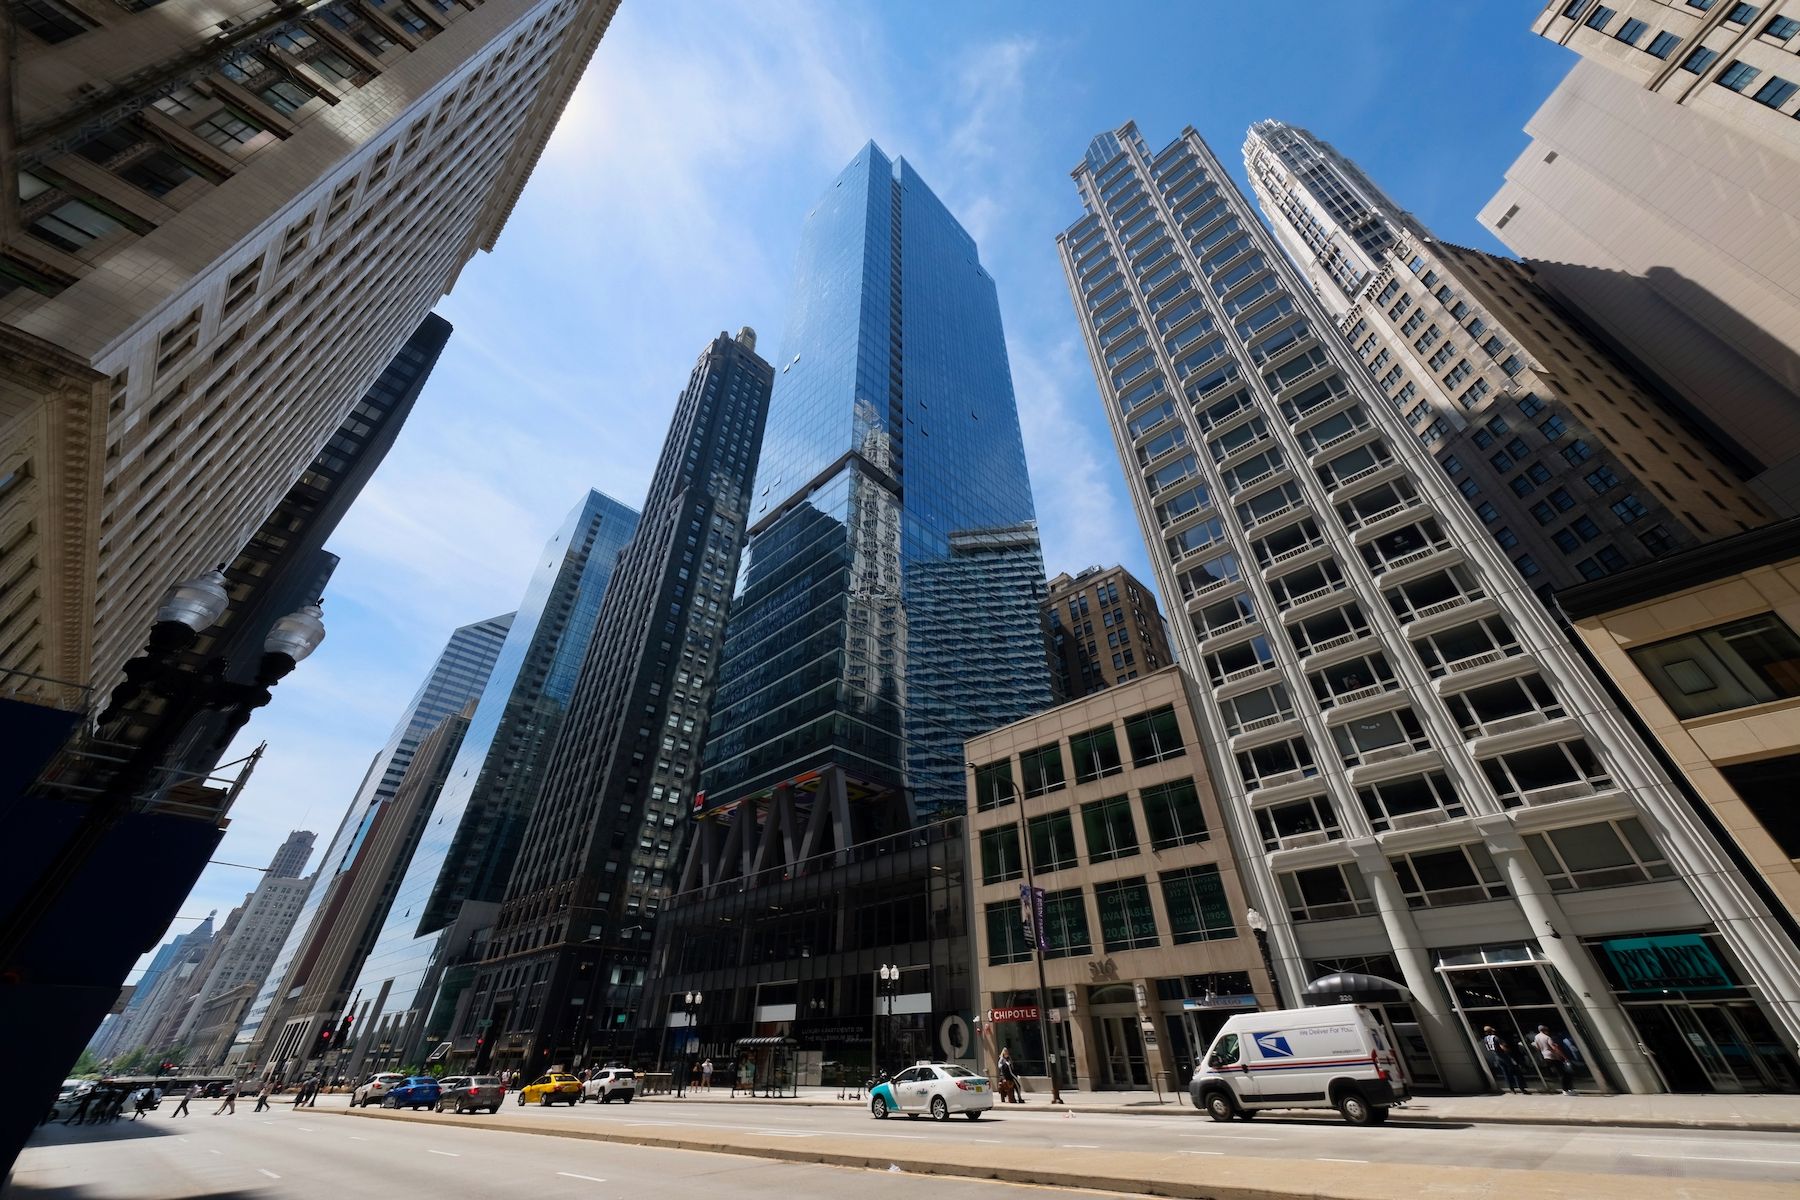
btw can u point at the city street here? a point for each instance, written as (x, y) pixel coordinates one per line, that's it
(310, 1155)
(330, 1148)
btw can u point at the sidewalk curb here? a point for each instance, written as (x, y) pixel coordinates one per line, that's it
(1400, 1116)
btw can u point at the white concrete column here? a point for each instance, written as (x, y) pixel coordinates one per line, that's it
(1554, 936)
(1451, 1047)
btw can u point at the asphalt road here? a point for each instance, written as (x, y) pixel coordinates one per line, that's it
(324, 1153)
(325, 1156)
(1682, 1154)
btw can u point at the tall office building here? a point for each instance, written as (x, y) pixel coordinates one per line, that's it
(1575, 464)
(285, 565)
(253, 934)
(566, 957)
(1439, 795)
(1658, 196)
(1334, 221)
(148, 1022)
(455, 879)
(317, 989)
(1101, 627)
(887, 610)
(112, 1038)
(458, 676)
(222, 221)
(290, 858)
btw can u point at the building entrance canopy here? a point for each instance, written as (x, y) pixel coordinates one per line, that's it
(1350, 987)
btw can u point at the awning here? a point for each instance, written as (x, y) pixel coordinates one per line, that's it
(766, 1041)
(1349, 987)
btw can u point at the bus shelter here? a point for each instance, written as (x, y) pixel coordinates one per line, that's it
(765, 1067)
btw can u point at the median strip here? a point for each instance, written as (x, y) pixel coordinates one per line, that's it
(1137, 1172)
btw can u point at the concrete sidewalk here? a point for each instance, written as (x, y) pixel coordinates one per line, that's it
(1759, 1113)
(1131, 1172)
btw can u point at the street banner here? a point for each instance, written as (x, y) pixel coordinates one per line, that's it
(1031, 915)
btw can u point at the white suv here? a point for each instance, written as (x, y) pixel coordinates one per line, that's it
(375, 1089)
(609, 1084)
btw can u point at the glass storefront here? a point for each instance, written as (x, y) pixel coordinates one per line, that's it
(1699, 1024)
(1515, 989)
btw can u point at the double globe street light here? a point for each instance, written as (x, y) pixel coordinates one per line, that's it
(166, 696)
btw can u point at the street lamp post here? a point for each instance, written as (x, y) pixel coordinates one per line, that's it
(188, 610)
(694, 1002)
(887, 982)
(1037, 941)
(1260, 927)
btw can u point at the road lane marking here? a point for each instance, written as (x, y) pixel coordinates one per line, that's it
(1235, 1137)
(269, 1173)
(1785, 1162)
(573, 1175)
(1199, 1152)
(221, 1153)
(308, 1128)
(354, 1138)
(1364, 1161)
(1078, 1146)
(445, 1153)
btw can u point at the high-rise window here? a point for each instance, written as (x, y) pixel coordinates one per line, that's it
(1663, 44)
(1753, 661)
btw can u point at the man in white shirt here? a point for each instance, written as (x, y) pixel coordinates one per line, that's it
(1552, 1053)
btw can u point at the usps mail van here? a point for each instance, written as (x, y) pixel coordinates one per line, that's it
(1337, 1056)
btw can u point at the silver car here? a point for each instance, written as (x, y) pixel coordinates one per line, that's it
(470, 1093)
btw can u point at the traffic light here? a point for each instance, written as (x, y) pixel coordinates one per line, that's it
(323, 1043)
(343, 1036)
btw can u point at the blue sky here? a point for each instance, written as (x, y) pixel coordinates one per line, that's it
(668, 207)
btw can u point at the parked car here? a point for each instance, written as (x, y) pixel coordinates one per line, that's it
(1336, 1056)
(610, 1083)
(471, 1093)
(415, 1092)
(553, 1088)
(375, 1089)
(937, 1088)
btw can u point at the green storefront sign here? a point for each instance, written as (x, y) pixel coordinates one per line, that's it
(1678, 962)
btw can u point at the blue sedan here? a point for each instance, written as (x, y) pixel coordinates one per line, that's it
(419, 1091)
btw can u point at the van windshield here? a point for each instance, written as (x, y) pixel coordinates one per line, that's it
(1225, 1051)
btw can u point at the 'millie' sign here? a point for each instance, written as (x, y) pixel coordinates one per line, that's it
(1662, 964)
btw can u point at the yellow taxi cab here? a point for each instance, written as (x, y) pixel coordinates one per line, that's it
(551, 1089)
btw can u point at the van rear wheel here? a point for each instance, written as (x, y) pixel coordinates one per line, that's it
(1219, 1106)
(1355, 1109)
(1379, 1115)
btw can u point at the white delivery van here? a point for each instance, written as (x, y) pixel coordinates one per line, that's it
(1336, 1056)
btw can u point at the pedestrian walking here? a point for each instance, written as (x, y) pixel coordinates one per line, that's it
(313, 1087)
(229, 1103)
(140, 1103)
(706, 1075)
(262, 1097)
(181, 1110)
(1009, 1079)
(115, 1104)
(1501, 1061)
(1556, 1058)
(79, 1116)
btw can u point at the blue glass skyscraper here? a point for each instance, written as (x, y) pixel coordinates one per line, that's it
(887, 607)
(456, 877)
(886, 611)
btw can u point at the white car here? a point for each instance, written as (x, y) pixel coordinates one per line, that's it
(609, 1084)
(937, 1088)
(376, 1089)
